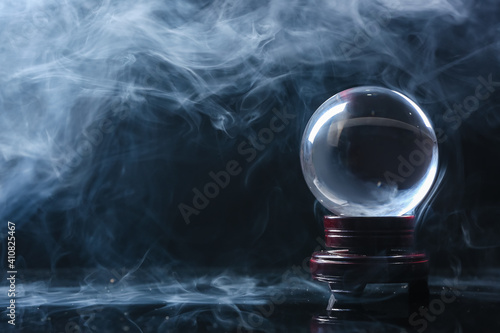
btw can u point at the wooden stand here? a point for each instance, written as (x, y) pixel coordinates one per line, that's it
(370, 250)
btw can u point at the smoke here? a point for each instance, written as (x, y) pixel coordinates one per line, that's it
(66, 67)
(170, 289)
(111, 112)
(159, 300)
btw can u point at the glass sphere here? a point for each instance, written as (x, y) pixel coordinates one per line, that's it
(369, 151)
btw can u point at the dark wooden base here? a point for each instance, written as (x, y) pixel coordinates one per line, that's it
(370, 250)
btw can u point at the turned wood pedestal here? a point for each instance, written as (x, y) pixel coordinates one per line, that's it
(365, 250)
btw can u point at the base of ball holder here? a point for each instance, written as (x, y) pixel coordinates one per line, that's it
(370, 250)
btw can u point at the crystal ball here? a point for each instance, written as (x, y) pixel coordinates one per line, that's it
(369, 151)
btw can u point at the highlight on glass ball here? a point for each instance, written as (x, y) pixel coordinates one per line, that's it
(369, 151)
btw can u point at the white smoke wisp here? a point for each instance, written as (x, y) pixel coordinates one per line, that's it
(66, 66)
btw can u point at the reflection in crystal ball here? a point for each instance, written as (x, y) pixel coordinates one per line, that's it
(369, 151)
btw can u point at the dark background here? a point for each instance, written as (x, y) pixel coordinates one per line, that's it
(180, 85)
